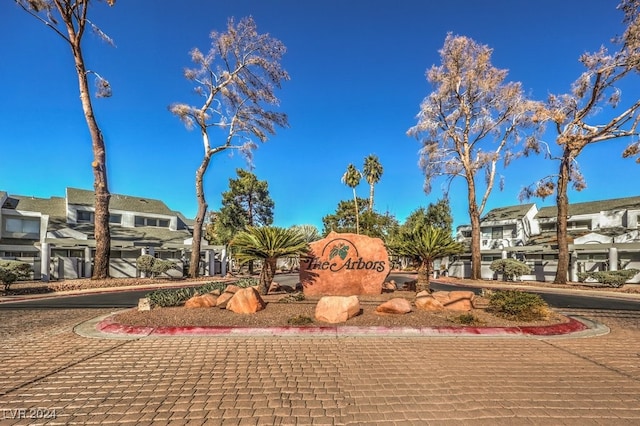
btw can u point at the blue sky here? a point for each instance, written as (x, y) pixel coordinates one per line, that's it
(357, 79)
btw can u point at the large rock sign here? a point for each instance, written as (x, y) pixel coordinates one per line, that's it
(345, 265)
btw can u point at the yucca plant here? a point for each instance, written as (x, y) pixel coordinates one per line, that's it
(425, 244)
(267, 243)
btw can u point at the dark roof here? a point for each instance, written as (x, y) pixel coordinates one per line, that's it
(507, 213)
(83, 197)
(54, 206)
(590, 207)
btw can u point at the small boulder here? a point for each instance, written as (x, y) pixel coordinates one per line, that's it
(231, 288)
(427, 302)
(206, 300)
(246, 301)
(455, 300)
(336, 309)
(144, 304)
(396, 306)
(223, 299)
(389, 286)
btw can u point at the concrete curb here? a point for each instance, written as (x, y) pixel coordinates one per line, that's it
(105, 327)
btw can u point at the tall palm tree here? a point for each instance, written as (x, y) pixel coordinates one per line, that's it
(351, 178)
(424, 245)
(267, 243)
(372, 173)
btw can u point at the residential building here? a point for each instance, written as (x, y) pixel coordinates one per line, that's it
(603, 235)
(56, 235)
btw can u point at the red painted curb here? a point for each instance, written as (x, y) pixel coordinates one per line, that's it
(108, 325)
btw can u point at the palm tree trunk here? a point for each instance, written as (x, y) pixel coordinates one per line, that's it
(355, 203)
(423, 283)
(371, 197)
(267, 273)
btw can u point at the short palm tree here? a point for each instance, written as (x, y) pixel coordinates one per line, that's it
(351, 178)
(424, 245)
(267, 243)
(372, 173)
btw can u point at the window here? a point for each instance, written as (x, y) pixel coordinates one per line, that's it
(583, 224)
(115, 219)
(151, 221)
(547, 227)
(466, 234)
(22, 227)
(84, 216)
(496, 233)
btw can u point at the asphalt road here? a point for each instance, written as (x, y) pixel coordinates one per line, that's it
(126, 299)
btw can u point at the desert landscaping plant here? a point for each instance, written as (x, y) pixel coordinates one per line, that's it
(153, 266)
(267, 244)
(510, 269)
(13, 270)
(518, 305)
(609, 278)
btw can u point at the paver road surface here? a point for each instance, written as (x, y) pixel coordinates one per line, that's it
(51, 375)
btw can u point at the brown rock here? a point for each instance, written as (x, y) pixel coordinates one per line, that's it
(246, 301)
(207, 300)
(397, 305)
(345, 265)
(428, 303)
(223, 299)
(423, 293)
(335, 309)
(389, 286)
(455, 300)
(231, 288)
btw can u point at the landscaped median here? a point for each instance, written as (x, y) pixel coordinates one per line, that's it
(574, 326)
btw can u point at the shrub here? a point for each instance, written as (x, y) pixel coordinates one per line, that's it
(300, 320)
(510, 269)
(518, 306)
(609, 278)
(13, 270)
(169, 297)
(153, 266)
(247, 282)
(467, 319)
(293, 297)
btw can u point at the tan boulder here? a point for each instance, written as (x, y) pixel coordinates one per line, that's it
(455, 300)
(246, 301)
(396, 306)
(206, 300)
(231, 288)
(335, 309)
(345, 265)
(389, 286)
(428, 303)
(223, 299)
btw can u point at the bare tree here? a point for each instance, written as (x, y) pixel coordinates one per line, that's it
(470, 122)
(573, 117)
(73, 14)
(236, 78)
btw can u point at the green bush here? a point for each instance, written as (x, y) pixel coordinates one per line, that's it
(518, 306)
(300, 320)
(165, 298)
(609, 278)
(247, 282)
(293, 297)
(467, 319)
(510, 269)
(153, 266)
(13, 270)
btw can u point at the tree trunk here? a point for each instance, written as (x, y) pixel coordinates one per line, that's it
(267, 274)
(371, 197)
(355, 203)
(474, 216)
(99, 166)
(194, 267)
(423, 284)
(562, 202)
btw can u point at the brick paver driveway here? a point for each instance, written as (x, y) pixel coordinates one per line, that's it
(50, 375)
